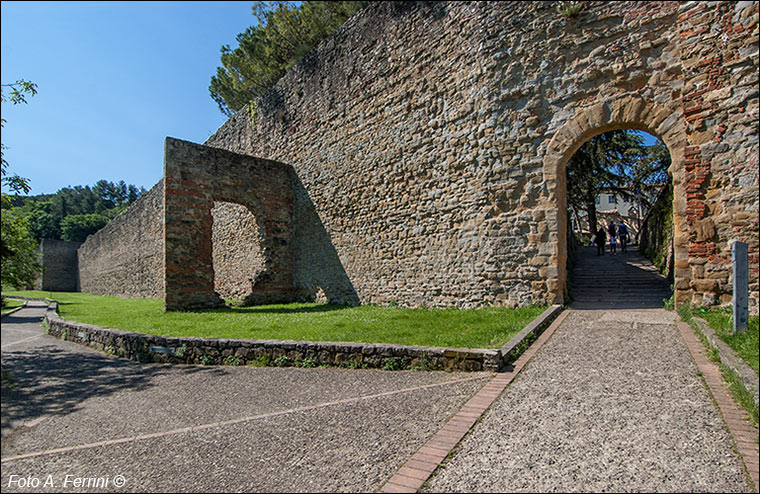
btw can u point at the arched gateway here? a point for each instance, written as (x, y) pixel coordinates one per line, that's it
(627, 112)
(427, 144)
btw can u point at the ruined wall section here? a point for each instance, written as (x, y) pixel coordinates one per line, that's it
(126, 257)
(196, 180)
(418, 132)
(60, 270)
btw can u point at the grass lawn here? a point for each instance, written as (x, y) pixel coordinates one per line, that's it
(489, 327)
(745, 344)
(11, 304)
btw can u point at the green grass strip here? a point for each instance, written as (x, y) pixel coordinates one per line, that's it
(488, 327)
(746, 345)
(735, 383)
(9, 305)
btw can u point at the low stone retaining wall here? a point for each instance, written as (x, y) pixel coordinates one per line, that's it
(11, 311)
(212, 351)
(530, 333)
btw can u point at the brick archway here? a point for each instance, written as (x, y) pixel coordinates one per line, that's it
(626, 112)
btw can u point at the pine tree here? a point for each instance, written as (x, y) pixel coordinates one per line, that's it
(284, 34)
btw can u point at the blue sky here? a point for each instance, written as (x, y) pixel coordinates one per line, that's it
(114, 79)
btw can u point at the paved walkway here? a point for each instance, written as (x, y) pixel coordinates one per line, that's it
(611, 403)
(611, 400)
(159, 428)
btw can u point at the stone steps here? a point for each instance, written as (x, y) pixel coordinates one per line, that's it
(623, 281)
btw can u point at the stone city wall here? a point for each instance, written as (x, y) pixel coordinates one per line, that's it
(719, 58)
(432, 139)
(428, 143)
(126, 257)
(60, 270)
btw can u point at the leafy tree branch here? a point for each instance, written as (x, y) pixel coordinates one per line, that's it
(618, 163)
(18, 261)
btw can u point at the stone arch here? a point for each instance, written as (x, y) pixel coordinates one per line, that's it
(625, 112)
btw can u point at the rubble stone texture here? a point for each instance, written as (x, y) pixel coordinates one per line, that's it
(60, 273)
(427, 142)
(237, 255)
(126, 257)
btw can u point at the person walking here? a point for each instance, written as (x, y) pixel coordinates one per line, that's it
(600, 241)
(613, 239)
(623, 235)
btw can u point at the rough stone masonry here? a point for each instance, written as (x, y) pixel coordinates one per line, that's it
(418, 157)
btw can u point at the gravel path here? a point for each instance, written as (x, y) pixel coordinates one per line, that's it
(612, 403)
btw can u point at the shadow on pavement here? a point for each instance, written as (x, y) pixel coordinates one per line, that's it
(49, 380)
(16, 319)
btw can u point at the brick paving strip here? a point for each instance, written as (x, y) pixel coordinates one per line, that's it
(413, 474)
(735, 418)
(194, 428)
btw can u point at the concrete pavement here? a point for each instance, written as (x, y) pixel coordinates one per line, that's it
(613, 402)
(70, 411)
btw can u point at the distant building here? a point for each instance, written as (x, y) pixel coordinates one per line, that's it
(607, 203)
(617, 208)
